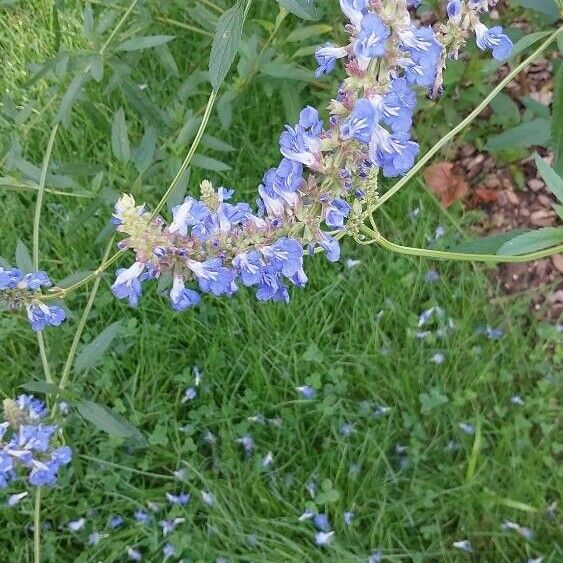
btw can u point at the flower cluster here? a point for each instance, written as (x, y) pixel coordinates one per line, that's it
(325, 180)
(18, 290)
(27, 444)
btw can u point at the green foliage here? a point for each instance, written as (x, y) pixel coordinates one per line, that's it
(305, 9)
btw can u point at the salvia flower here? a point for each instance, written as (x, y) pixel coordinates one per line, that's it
(324, 182)
(28, 445)
(19, 290)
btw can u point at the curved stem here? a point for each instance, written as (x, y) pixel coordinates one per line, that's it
(189, 156)
(467, 121)
(40, 194)
(459, 256)
(37, 527)
(62, 293)
(82, 323)
(118, 27)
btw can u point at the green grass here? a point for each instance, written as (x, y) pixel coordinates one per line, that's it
(351, 334)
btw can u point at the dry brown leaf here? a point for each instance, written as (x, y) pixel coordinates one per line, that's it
(558, 262)
(445, 183)
(484, 195)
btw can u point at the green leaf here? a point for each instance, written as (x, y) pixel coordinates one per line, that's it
(110, 422)
(327, 497)
(558, 210)
(119, 137)
(216, 144)
(487, 245)
(226, 42)
(532, 242)
(143, 156)
(144, 105)
(305, 9)
(138, 43)
(40, 387)
(546, 7)
(91, 353)
(208, 163)
(552, 180)
(527, 134)
(70, 96)
(23, 258)
(308, 31)
(557, 120)
(72, 279)
(97, 67)
(287, 71)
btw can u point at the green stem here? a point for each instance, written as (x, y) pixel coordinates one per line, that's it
(189, 156)
(183, 25)
(467, 121)
(458, 256)
(44, 358)
(40, 194)
(82, 324)
(62, 293)
(130, 469)
(118, 26)
(37, 527)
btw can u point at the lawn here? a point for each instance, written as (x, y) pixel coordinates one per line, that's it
(431, 429)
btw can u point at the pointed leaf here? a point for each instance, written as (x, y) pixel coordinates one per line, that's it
(138, 43)
(534, 132)
(119, 137)
(532, 242)
(487, 245)
(557, 120)
(23, 258)
(226, 42)
(91, 353)
(305, 9)
(208, 163)
(109, 421)
(553, 181)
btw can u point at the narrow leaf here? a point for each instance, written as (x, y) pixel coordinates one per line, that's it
(23, 258)
(487, 245)
(308, 31)
(305, 9)
(138, 43)
(552, 180)
(91, 353)
(70, 96)
(208, 163)
(143, 156)
(531, 133)
(119, 137)
(226, 42)
(557, 120)
(532, 242)
(109, 421)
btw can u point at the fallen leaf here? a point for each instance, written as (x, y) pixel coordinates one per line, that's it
(558, 262)
(484, 195)
(445, 183)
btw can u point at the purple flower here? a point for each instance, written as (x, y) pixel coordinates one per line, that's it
(495, 40)
(36, 280)
(354, 10)
(306, 391)
(10, 278)
(425, 52)
(397, 106)
(321, 522)
(249, 266)
(285, 256)
(394, 153)
(189, 213)
(180, 500)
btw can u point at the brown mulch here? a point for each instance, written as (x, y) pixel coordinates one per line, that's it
(510, 205)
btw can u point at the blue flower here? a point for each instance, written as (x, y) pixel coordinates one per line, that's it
(213, 277)
(127, 284)
(36, 280)
(271, 288)
(10, 278)
(285, 256)
(116, 522)
(354, 10)
(326, 57)
(322, 522)
(301, 143)
(397, 106)
(180, 500)
(34, 408)
(495, 40)
(168, 550)
(191, 212)
(249, 266)
(361, 122)
(454, 10)
(372, 37)
(6, 469)
(324, 539)
(331, 246)
(394, 153)
(425, 53)
(181, 297)
(336, 213)
(41, 315)
(142, 517)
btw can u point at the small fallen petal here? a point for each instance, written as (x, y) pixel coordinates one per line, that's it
(438, 358)
(307, 515)
(321, 522)
(375, 557)
(464, 545)
(116, 522)
(348, 518)
(133, 554)
(324, 539)
(268, 459)
(467, 428)
(142, 517)
(16, 498)
(180, 500)
(168, 550)
(381, 411)
(95, 538)
(189, 395)
(207, 498)
(432, 276)
(76, 525)
(306, 391)
(517, 400)
(351, 264)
